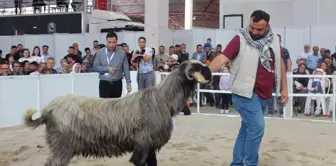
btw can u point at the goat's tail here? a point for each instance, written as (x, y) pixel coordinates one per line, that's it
(29, 122)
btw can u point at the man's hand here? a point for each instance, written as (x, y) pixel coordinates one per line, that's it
(284, 97)
(112, 70)
(129, 88)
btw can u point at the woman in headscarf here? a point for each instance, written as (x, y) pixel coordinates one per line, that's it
(300, 86)
(76, 68)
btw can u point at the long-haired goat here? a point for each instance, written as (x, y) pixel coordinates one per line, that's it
(140, 122)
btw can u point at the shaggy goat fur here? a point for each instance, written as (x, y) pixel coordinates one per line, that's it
(140, 122)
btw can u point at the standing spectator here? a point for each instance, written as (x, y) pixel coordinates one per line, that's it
(224, 84)
(183, 56)
(210, 55)
(218, 49)
(11, 63)
(45, 53)
(286, 57)
(18, 5)
(19, 52)
(305, 54)
(95, 48)
(199, 54)
(161, 59)
(76, 50)
(13, 53)
(90, 57)
(142, 60)
(125, 47)
(177, 50)
(171, 50)
(36, 55)
(313, 59)
(111, 63)
(1, 59)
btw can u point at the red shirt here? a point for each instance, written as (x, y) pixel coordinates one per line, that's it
(264, 79)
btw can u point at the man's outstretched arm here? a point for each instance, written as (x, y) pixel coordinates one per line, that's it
(218, 62)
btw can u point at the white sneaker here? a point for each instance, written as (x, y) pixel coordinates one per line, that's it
(221, 111)
(226, 111)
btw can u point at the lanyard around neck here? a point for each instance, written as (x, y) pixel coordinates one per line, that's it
(107, 58)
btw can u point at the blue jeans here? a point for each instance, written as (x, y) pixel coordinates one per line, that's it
(251, 130)
(270, 105)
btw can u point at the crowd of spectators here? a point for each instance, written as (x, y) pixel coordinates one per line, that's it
(22, 61)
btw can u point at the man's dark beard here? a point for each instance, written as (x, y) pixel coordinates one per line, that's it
(253, 37)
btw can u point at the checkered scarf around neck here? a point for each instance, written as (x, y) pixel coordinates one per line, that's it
(262, 45)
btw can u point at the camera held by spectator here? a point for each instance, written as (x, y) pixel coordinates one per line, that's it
(140, 55)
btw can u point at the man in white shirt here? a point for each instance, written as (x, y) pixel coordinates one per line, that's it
(143, 61)
(305, 53)
(45, 53)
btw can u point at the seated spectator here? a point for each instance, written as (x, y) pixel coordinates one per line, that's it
(34, 68)
(87, 63)
(11, 63)
(25, 67)
(26, 56)
(50, 65)
(76, 68)
(72, 59)
(316, 85)
(62, 68)
(84, 68)
(4, 69)
(300, 86)
(17, 70)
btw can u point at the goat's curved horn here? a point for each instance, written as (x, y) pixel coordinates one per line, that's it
(200, 78)
(187, 70)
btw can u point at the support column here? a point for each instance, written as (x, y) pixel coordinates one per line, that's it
(188, 14)
(156, 24)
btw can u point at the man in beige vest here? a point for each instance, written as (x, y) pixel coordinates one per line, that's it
(256, 65)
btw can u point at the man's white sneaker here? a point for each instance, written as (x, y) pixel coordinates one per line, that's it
(221, 111)
(226, 111)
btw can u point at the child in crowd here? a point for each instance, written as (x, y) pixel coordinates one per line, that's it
(316, 85)
(224, 84)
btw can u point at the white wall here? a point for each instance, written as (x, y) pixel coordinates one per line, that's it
(284, 13)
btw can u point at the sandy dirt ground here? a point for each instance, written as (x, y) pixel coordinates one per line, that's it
(197, 141)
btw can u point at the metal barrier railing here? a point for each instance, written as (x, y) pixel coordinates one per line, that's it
(288, 110)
